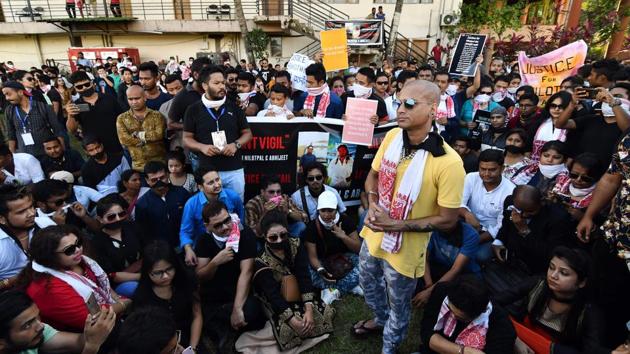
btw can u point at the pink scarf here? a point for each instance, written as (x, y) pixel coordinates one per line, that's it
(324, 101)
(474, 335)
(245, 99)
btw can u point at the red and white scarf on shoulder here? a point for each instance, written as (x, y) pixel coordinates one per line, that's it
(245, 98)
(474, 335)
(399, 205)
(324, 101)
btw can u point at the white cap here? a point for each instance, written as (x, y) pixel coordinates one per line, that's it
(327, 200)
(63, 176)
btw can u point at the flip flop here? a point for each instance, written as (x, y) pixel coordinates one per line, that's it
(364, 331)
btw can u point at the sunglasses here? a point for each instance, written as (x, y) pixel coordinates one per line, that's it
(112, 217)
(225, 221)
(584, 178)
(485, 92)
(382, 82)
(59, 202)
(313, 178)
(82, 86)
(160, 273)
(409, 103)
(555, 106)
(29, 79)
(275, 237)
(72, 249)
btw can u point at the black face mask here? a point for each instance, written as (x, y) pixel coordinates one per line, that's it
(279, 246)
(513, 149)
(114, 226)
(100, 155)
(87, 93)
(160, 184)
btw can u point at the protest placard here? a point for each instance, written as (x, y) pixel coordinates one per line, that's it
(467, 49)
(296, 67)
(358, 129)
(335, 49)
(546, 72)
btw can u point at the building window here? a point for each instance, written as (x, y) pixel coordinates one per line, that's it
(276, 46)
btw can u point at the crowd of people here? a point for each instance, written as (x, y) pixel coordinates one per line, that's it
(503, 218)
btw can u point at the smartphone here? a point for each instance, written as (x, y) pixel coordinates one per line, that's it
(83, 107)
(564, 198)
(591, 92)
(93, 308)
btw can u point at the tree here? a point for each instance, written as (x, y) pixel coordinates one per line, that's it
(393, 31)
(242, 23)
(257, 41)
(494, 15)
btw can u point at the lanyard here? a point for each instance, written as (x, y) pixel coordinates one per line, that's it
(216, 119)
(24, 121)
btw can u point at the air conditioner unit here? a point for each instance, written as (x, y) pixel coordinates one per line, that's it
(449, 20)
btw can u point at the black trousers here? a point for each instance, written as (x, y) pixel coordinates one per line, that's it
(216, 319)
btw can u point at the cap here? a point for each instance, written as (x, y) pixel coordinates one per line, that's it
(63, 176)
(499, 110)
(327, 200)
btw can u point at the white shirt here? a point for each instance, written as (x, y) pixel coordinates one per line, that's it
(487, 206)
(27, 170)
(311, 202)
(85, 195)
(339, 172)
(12, 258)
(391, 107)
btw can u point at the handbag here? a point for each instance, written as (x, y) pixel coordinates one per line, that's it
(289, 288)
(337, 265)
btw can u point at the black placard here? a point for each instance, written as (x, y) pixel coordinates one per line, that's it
(468, 47)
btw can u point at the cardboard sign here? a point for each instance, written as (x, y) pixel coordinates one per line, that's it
(296, 67)
(335, 49)
(357, 128)
(467, 49)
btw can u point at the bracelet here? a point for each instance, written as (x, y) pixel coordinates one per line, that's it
(373, 192)
(321, 269)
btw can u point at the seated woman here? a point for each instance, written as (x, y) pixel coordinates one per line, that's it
(167, 284)
(556, 310)
(460, 318)
(449, 254)
(515, 149)
(130, 188)
(117, 247)
(543, 174)
(333, 245)
(65, 284)
(575, 190)
(283, 282)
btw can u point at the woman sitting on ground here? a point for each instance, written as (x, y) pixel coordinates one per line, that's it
(543, 174)
(296, 314)
(515, 149)
(460, 318)
(333, 245)
(130, 188)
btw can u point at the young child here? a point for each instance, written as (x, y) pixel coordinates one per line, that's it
(177, 175)
(277, 108)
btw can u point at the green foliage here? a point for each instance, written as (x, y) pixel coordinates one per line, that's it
(604, 17)
(495, 15)
(258, 42)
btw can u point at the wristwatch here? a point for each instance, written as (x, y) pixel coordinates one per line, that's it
(616, 102)
(238, 145)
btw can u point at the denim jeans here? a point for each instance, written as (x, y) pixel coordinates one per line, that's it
(234, 180)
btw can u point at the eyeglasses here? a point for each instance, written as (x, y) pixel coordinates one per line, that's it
(583, 178)
(382, 82)
(410, 103)
(82, 86)
(555, 106)
(275, 237)
(485, 92)
(72, 249)
(112, 217)
(160, 273)
(313, 178)
(225, 221)
(58, 202)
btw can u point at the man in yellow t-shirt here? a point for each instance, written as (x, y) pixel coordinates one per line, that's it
(415, 185)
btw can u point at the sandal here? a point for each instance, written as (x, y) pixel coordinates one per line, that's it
(362, 331)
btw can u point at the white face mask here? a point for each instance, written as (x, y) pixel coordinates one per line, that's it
(607, 111)
(329, 225)
(498, 96)
(550, 171)
(580, 192)
(244, 96)
(361, 91)
(212, 104)
(451, 90)
(512, 90)
(483, 98)
(219, 238)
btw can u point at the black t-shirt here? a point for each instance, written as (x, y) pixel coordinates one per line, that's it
(156, 103)
(222, 288)
(114, 255)
(597, 136)
(231, 119)
(258, 99)
(181, 102)
(381, 108)
(100, 121)
(328, 244)
(70, 161)
(54, 96)
(38, 95)
(266, 74)
(93, 172)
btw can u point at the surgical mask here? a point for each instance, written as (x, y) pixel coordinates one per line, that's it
(483, 98)
(512, 90)
(550, 171)
(361, 91)
(451, 90)
(499, 96)
(244, 96)
(607, 111)
(220, 239)
(87, 93)
(329, 225)
(580, 192)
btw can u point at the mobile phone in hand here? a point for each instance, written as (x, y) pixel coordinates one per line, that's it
(83, 107)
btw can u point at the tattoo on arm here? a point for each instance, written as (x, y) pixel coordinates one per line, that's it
(417, 228)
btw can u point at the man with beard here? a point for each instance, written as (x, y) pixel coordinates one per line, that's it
(148, 76)
(102, 170)
(314, 177)
(232, 84)
(23, 332)
(58, 158)
(215, 130)
(98, 118)
(159, 211)
(266, 71)
(18, 168)
(187, 97)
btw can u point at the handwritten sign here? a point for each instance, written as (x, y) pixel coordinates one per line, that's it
(357, 128)
(296, 67)
(467, 49)
(335, 49)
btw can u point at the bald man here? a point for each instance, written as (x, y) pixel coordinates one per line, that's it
(531, 229)
(411, 162)
(141, 130)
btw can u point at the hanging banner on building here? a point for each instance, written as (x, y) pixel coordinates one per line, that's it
(467, 49)
(335, 49)
(360, 32)
(546, 72)
(281, 146)
(296, 67)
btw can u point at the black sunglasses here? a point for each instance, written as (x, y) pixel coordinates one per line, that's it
(553, 105)
(112, 217)
(29, 79)
(224, 222)
(485, 93)
(59, 202)
(584, 178)
(409, 103)
(82, 86)
(313, 178)
(275, 237)
(72, 249)
(382, 82)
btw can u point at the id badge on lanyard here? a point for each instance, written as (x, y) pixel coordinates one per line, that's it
(218, 138)
(27, 137)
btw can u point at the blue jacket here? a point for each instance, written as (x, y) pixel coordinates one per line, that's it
(159, 219)
(192, 222)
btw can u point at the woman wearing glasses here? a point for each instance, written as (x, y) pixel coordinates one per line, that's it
(66, 285)
(118, 245)
(165, 283)
(283, 282)
(547, 131)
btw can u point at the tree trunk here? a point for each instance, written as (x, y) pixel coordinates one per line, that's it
(242, 23)
(393, 31)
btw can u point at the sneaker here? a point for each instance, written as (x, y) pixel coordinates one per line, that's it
(329, 295)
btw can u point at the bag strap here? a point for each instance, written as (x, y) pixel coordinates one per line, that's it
(304, 204)
(320, 233)
(259, 270)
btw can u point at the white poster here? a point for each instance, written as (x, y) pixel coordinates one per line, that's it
(296, 67)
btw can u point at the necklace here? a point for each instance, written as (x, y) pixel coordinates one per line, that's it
(407, 156)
